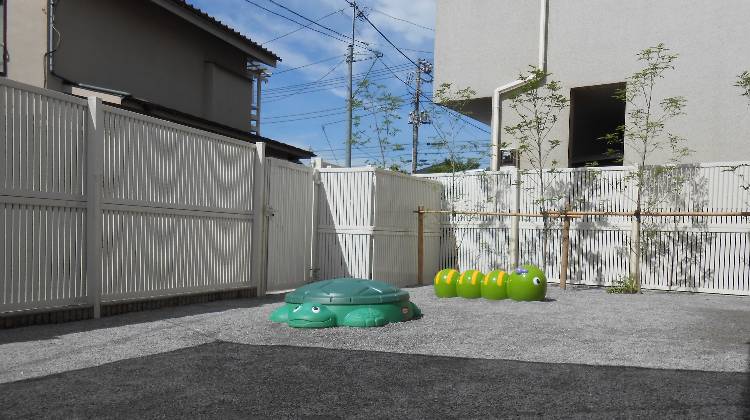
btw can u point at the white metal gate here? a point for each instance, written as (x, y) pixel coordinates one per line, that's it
(290, 189)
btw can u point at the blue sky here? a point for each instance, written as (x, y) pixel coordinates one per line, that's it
(313, 116)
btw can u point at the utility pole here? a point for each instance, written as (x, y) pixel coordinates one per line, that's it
(350, 100)
(417, 117)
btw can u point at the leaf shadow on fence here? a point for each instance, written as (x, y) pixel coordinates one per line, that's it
(475, 241)
(677, 252)
(591, 258)
(674, 249)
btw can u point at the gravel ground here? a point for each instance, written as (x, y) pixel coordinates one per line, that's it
(579, 326)
(228, 380)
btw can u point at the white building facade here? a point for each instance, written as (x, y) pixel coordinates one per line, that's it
(591, 48)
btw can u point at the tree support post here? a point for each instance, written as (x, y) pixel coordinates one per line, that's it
(635, 254)
(515, 221)
(565, 251)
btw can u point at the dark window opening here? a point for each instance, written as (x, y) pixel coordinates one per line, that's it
(594, 113)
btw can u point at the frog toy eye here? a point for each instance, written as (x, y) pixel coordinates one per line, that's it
(315, 309)
(297, 308)
(536, 281)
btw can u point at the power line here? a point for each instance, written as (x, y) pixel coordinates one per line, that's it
(383, 35)
(340, 79)
(312, 115)
(323, 127)
(363, 115)
(402, 20)
(316, 23)
(304, 91)
(301, 27)
(308, 64)
(320, 111)
(294, 21)
(321, 78)
(463, 117)
(305, 113)
(303, 118)
(404, 145)
(417, 51)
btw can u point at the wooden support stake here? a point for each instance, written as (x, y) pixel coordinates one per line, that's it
(420, 244)
(635, 253)
(565, 251)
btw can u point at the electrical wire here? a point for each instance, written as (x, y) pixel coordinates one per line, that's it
(419, 51)
(320, 111)
(341, 111)
(341, 79)
(298, 23)
(435, 103)
(279, 96)
(402, 20)
(316, 23)
(331, 83)
(321, 78)
(364, 16)
(309, 64)
(301, 27)
(362, 115)
(323, 127)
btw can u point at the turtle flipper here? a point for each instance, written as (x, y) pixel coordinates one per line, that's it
(280, 315)
(415, 312)
(365, 317)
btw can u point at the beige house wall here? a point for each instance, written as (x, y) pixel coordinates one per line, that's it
(133, 46)
(27, 40)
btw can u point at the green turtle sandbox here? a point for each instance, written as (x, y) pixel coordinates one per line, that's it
(345, 302)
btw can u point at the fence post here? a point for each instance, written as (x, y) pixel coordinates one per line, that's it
(420, 245)
(313, 274)
(565, 251)
(94, 178)
(260, 226)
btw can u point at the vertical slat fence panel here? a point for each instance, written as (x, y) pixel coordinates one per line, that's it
(42, 202)
(703, 254)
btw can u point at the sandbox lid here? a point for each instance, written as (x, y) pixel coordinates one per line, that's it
(347, 291)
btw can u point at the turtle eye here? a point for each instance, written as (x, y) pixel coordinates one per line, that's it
(315, 309)
(297, 308)
(536, 281)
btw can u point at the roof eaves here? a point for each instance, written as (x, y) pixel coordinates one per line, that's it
(221, 25)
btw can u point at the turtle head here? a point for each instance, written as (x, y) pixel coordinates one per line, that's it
(311, 315)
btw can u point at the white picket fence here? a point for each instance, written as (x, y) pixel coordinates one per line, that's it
(101, 205)
(704, 254)
(43, 153)
(98, 204)
(367, 226)
(177, 208)
(290, 193)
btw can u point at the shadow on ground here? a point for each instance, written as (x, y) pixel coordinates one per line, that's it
(49, 331)
(226, 380)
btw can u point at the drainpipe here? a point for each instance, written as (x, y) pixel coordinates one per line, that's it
(514, 246)
(500, 91)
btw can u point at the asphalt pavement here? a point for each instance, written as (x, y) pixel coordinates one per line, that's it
(581, 353)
